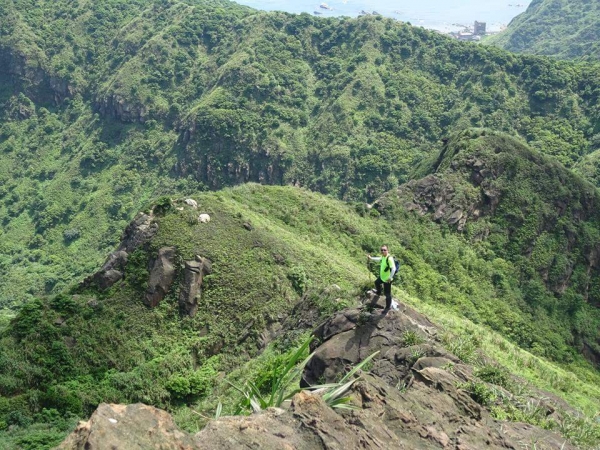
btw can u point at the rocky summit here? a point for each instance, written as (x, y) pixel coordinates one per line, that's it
(416, 395)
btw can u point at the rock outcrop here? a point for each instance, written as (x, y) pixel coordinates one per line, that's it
(137, 233)
(111, 271)
(411, 399)
(191, 285)
(120, 108)
(128, 427)
(28, 72)
(162, 275)
(522, 204)
(162, 268)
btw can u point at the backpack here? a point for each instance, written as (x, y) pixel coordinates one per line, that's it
(396, 263)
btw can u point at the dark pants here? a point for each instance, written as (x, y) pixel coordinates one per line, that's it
(387, 290)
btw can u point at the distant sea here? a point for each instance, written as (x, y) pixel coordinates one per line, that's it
(442, 15)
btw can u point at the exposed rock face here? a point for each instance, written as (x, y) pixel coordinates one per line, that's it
(351, 335)
(525, 205)
(191, 287)
(423, 417)
(227, 161)
(436, 196)
(30, 76)
(137, 233)
(162, 275)
(412, 392)
(309, 424)
(128, 427)
(191, 202)
(122, 109)
(111, 271)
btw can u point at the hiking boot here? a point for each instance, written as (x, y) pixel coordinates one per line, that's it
(385, 311)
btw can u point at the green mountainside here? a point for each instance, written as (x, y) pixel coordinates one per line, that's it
(133, 100)
(309, 142)
(525, 208)
(566, 29)
(282, 259)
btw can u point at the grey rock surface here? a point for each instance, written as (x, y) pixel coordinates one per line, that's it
(128, 427)
(137, 233)
(191, 285)
(162, 275)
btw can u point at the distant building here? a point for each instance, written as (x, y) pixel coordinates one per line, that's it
(479, 28)
(467, 36)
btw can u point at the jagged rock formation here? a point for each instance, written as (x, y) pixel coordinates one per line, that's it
(27, 73)
(162, 275)
(411, 399)
(381, 422)
(191, 285)
(431, 403)
(478, 171)
(493, 188)
(162, 268)
(111, 271)
(137, 233)
(128, 427)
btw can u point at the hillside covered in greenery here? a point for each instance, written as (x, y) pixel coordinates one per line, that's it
(106, 105)
(283, 259)
(518, 205)
(566, 29)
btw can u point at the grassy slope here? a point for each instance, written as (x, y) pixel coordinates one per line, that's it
(345, 107)
(120, 350)
(565, 29)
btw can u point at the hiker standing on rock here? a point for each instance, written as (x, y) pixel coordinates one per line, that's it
(387, 270)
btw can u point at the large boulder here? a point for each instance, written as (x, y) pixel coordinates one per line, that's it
(137, 233)
(162, 275)
(128, 427)
(351, 335)
(191, 285)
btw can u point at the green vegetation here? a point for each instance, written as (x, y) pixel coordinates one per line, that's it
(72, 351)
(277, 385)
(161, 99)
(535, 223)
(138, 99)
(564, 29)
(279, 382)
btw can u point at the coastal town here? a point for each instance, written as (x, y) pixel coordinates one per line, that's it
(466, 33)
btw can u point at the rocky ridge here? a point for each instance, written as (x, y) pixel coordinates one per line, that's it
(163, 268)
(414, 396)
